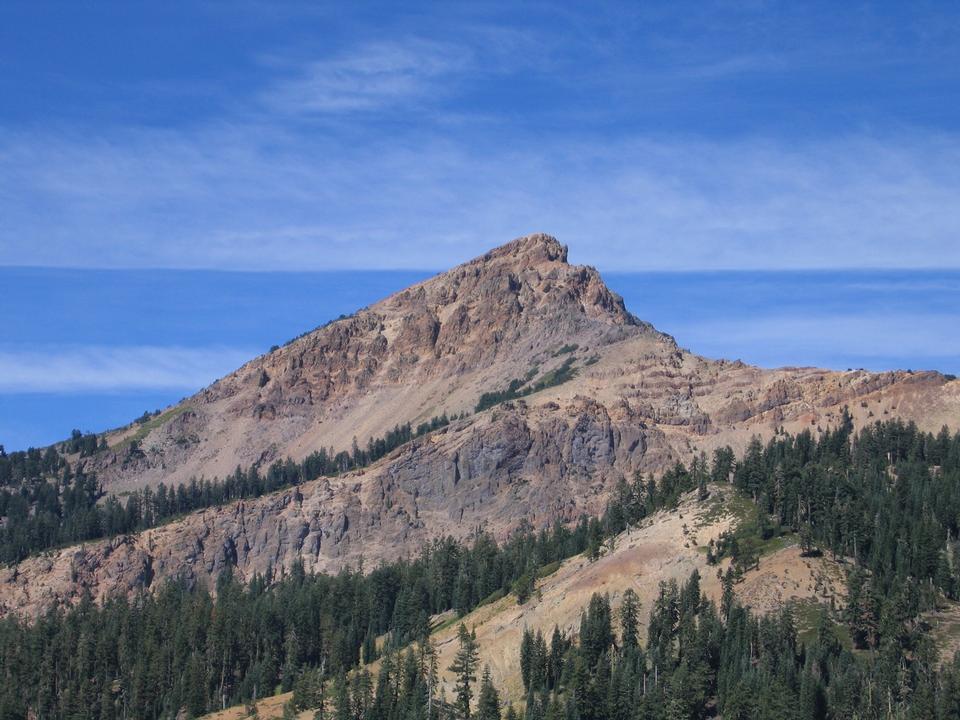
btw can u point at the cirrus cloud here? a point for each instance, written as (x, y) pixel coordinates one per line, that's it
(115, 368)
(369, 78)
(249, 197)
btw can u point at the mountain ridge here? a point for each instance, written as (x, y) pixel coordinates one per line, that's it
(633, 402)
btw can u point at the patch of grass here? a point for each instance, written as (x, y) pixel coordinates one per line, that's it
(447, 623)
(727, 502)
(151, 424)
(943, 625)
(492, 597)
(777, 543)
(714, 509)
(742, 508)
(807, 616)
(548, 569)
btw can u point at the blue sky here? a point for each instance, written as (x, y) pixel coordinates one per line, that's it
(167, 138)
(265, 135)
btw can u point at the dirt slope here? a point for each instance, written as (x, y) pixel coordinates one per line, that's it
(668, 546)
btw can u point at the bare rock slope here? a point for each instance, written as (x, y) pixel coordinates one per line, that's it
(636, 402)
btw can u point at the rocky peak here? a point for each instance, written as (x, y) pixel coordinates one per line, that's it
(526, 278)
(529, 249)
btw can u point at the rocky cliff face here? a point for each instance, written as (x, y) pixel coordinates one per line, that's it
(636, 402)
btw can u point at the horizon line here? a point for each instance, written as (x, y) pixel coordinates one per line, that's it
(631, 271)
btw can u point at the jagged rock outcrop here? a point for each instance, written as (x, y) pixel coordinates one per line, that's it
(636, 402)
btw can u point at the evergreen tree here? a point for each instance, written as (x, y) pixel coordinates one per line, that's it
(464, 666)
(629, 620)
(488, 701)
(526, 657)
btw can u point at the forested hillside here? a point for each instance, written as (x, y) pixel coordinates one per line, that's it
(45, 503)
(885, 500)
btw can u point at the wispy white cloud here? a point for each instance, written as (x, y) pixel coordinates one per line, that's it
(246, 196)
(114, 369)
(368, 78)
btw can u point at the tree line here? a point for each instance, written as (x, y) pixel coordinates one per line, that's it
(158, 653)
(46, 503)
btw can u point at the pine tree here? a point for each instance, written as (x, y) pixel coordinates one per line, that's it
(594, 540)
(464, 666)
(538, 665)
(699, 471)
(428, 670)
(369, 650)
(555, 663)
(727, 598)
(524, 586)
(341, 699)
(596, 633)
(629, 620)
(526, 657)
(488, 701)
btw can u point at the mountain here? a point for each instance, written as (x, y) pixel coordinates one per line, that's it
(432, 348)
(584, 393)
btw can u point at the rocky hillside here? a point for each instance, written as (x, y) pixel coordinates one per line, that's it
(635, 401)
(432, 348)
